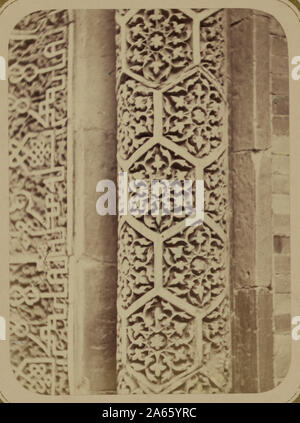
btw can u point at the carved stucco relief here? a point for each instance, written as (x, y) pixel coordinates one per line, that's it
(40, 196)
(173, 305)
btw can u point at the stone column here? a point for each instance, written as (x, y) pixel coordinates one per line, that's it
(173, 308)
(95, 237)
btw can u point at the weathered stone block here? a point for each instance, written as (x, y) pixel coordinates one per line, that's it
(279, 64)
(97, 235)
(282, 263)
(250, 83)
(280, 164)
(245, 343)
(280, 184)
(283, 323)
(280, 125)
(280, 105)
(252, 232)
(261, 82)
(253, 340)
(281, 224)
(282, 304)
(95, 334)
(96, 106)
(279, 46)
(281, 204)
(244, 194)
(263, 218)
(281, 145)
(283, 283)
(242, 90)
(279, 84)
(282, 244)
(265, 339)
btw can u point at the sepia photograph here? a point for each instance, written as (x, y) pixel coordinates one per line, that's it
(149, 201)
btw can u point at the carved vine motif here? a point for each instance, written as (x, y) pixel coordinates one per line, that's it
(194, 265)
(136, 256)
(216, 191)
(212, 45)
(173, 333)
(193, 115)
(135, 116)
(160, 163)
(216, 355)
(38, 194)
(161, 341)
(158, 43)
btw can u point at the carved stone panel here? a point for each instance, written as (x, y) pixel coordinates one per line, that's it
(173, 303)
(40, 193)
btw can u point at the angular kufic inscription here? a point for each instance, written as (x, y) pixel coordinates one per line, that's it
(39, 196)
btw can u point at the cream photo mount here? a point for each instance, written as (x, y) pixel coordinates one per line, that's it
(288, 16)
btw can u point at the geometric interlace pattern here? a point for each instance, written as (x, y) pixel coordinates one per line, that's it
(173, 303)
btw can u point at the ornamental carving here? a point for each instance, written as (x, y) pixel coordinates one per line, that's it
(160, 163)
(135, 111)
(159, 43)
(161, 341)
(135, 257)
(39, 151)
(194, 265)
(193, 114)
(173, 306)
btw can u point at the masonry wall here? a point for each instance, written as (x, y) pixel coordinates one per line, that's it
(250, 168)
(260, 243)
(279, 93)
